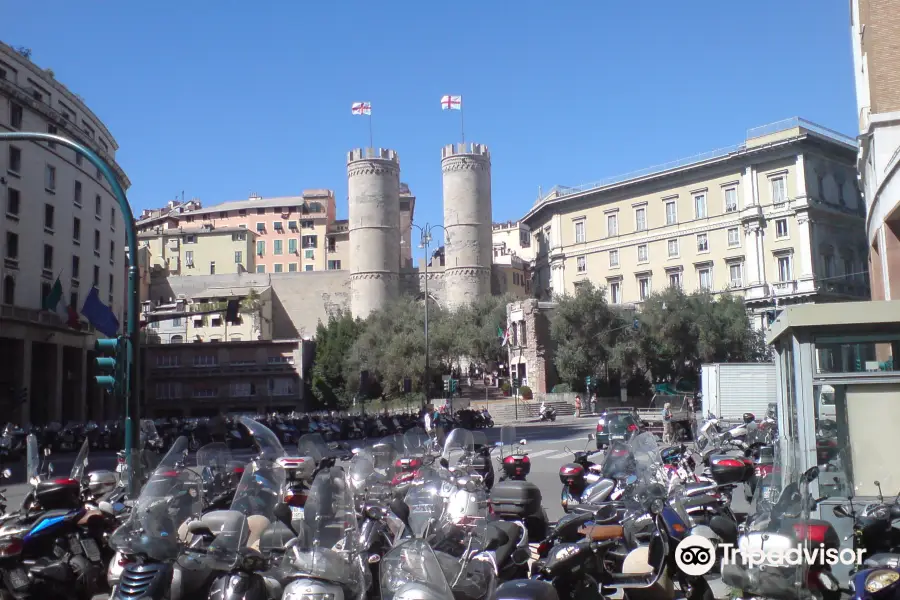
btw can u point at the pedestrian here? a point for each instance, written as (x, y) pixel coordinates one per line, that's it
(577, 406)
(667, 423)
(595, 408)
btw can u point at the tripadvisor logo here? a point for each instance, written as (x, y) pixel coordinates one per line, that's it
(696, 555)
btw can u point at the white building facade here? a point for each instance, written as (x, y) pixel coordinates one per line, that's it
(58, 219)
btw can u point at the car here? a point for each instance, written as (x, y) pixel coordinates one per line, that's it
(617, 424)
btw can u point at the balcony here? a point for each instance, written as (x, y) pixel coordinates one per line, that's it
(784, 288)
(224, 369)
(38, 317)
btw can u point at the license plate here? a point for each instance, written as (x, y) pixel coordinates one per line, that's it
(91, 550)
(617, 437)
(18, 579)
(296, 512)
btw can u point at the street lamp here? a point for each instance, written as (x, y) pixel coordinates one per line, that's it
(425, 243)
(133, 301)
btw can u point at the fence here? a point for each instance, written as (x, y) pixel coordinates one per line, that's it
(604, 402)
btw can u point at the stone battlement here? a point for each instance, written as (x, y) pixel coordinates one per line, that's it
(372, 153)
(464, 149)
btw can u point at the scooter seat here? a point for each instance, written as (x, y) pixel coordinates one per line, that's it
(601, 533)
(507, 534)
(887, 560)
(701, 500)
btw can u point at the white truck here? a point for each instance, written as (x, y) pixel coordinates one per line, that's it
(728, 390)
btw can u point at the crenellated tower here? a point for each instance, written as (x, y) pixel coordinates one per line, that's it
(467, 219)
(373, 177)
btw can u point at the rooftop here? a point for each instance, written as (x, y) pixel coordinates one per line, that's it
(756, 137)
(229, 292)
(178, 231)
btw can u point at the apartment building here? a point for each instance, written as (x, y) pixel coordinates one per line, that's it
(875, 29)
(218, 377)
(290, 234)
(58, 219)
(202, 317)
(209, 250)
(512, 237)
(776, 219)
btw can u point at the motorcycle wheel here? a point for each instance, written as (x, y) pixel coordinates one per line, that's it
(698, 590)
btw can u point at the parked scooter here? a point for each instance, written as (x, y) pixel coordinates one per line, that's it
(547, 413)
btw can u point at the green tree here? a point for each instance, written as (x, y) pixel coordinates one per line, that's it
(478, 325)
(333, 343)
(584, 328)
(390, 346)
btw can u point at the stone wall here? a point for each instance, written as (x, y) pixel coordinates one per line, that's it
(534, 348)
(300, 300)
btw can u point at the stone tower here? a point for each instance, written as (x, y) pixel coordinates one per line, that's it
(374, 228)
(467, 220)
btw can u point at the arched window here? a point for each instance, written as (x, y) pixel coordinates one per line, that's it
(9, 290)
(177, 339)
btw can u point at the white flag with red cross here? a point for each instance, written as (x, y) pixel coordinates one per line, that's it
(361, 108)
(451, 102)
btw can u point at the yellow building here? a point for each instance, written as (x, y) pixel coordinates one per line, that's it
(763, 219)
(205, 251)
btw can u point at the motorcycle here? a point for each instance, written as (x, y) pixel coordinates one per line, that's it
(547, 413)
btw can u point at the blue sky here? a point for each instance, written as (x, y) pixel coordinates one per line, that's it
(220, 99)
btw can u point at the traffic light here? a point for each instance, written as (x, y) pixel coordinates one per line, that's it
(587, 382)
(446, 385)
(363, 383)
(515, 382)
(407, 385)
(454, 385)
(110, 364)
(232, 310)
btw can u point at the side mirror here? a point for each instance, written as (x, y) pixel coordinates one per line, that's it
(590, 437)
(106, 508)
(7, 473)
(811, 474)
(283, 513)
(522, 442)
(445, 463)
(840, 511)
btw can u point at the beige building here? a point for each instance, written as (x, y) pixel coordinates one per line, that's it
(512, 237)
(775, 219)
(875, 29)
(205, 251)
(218, 377)
(58, 219)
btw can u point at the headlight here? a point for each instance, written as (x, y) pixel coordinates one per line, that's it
(878, 580)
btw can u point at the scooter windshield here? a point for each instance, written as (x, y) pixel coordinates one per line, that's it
(368, 483)
(270, 447)
(33, 460)
(313, 445)
(157, 527)
(411, 571)
(459, 446)
(415, 441)
(332, 549)
(215, 463)
(81, 461)
(251, 513)
(385, 453)
(425, 500)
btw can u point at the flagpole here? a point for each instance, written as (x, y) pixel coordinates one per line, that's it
(371, 143)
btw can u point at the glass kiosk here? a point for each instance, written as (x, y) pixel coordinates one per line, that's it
(838, 398)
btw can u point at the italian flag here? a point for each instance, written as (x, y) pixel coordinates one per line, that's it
(503, 335)
(52, 303)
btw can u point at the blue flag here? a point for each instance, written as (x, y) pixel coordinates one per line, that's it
(100, 315)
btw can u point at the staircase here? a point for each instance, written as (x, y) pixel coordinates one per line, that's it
(526, 410)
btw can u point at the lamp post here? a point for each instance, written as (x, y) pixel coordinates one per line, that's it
(425, 243)
(133, 329)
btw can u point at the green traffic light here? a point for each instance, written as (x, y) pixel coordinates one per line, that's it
(108, 345)
(106, 381)
(105, 363)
